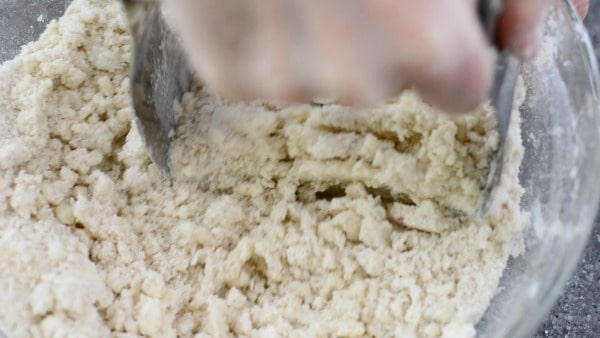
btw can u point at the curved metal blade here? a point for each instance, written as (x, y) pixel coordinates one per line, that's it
(160, 76)
(501, 94)
(502, 97)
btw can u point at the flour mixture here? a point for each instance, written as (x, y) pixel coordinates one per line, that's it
(308, 221)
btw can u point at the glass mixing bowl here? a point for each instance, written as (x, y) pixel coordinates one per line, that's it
(561, 134)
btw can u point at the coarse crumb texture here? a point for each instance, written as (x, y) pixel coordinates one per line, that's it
(306, 221)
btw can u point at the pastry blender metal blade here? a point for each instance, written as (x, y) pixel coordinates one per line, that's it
(160, 76)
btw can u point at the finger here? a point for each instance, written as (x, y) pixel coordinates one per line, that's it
(434, 45)
(238, 47)
(582, 7)
(330, 63)
(213, 47)
(520, 26)
(461, 86)
(442, 51)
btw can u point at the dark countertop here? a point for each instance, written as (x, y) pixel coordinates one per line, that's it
(577, 312)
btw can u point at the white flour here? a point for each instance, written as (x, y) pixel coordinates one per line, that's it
(299, 222)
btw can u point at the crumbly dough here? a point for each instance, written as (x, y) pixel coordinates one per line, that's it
(306, 221)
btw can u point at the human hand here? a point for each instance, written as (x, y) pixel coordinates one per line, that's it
(521, 23)
(357, 51)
